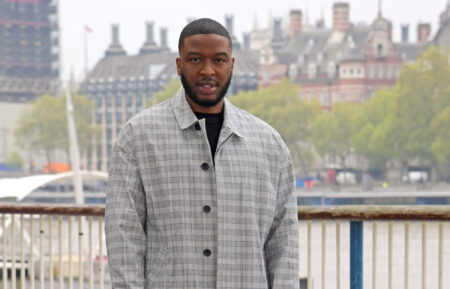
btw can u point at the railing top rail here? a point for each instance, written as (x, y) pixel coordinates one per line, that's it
(52, 209)
(436, 213)
(430, 213)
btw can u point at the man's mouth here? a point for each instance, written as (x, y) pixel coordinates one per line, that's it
(207, 86)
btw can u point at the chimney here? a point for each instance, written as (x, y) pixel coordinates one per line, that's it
(246, 41)
(115, 48)
(295, 22)
(341, 16)
(423, 32)
(150, 44)
(230, 27)
(163, 35)
(229, 24)
(277, 38)
(405, 33)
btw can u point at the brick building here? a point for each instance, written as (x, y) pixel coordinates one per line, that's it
(346, 62)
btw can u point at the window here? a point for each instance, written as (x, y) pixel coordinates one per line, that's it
(139, 99)
(388, 72)
(108, 99)
(380, 51)
(118, 100)
(129, 99)
(380, 72)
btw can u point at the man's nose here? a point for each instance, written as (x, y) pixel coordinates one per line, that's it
(207, 69)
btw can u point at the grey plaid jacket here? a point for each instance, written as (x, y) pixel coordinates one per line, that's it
(176, 219)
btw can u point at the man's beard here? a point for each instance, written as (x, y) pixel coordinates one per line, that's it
(204, 102)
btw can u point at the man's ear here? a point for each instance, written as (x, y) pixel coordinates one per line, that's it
(232, 64)
(178, 61)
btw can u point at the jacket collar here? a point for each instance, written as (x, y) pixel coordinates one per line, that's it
(186, 117)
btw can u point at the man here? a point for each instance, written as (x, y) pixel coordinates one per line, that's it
(201, 193)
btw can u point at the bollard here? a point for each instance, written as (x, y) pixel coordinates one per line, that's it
(356, 255)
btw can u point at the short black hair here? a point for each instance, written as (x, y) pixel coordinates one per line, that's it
(203, 26)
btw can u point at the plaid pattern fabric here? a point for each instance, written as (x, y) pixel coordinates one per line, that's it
(176, 220)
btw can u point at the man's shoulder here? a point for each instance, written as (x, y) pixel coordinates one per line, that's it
(254, 127)
(153, 112)
(144, 122)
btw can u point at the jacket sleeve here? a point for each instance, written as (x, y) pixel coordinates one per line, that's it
(125, 216)
(281, 246)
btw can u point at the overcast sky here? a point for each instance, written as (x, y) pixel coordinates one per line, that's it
(131, 15)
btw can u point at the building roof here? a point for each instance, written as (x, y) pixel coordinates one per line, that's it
(160, 66)
(410, 51)
(442, 37)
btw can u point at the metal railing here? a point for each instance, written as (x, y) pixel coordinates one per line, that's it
(39, 249)
(365, 222)
(62, 246)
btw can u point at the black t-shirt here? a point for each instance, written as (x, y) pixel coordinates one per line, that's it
(214, 123)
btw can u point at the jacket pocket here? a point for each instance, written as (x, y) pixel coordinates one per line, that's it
(157, 264)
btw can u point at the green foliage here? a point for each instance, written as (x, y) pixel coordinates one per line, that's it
(440, 148)
(168, 91)
(43, 127)
(280, 107)
(410, 121)
(332, 131)
(15, 160)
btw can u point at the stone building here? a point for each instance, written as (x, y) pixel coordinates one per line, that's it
(29, 62)
(29, 49)
(122, 85)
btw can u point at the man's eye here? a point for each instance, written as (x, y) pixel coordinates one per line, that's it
(220, 60)
(195, 59)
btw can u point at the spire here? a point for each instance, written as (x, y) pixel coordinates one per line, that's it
(379, 8)
(255, 22)
(306, 24)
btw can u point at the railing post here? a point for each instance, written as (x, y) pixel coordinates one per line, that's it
(356, 255)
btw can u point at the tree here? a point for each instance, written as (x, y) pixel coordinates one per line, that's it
(15, 160)
(280, 107)
(40, 128)
(408, 122)
(424, 93)
(43, 127)
(169, 90)
(332, 132)
(376, 134)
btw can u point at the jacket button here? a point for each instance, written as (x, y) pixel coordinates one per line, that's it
(206, 252)
(205, 166)
(206, 209)
(197, 126)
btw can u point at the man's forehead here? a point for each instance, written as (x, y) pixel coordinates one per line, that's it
(206, 40)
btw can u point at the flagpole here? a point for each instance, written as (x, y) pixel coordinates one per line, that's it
(74, 150)
(85, 52)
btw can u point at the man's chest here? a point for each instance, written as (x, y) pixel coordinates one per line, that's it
(183, 185)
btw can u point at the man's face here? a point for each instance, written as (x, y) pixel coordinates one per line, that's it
(205, 66)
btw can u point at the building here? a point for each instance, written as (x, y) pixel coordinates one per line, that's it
(346, 62)
(29, 49)
(29, 61)
(122, 85)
